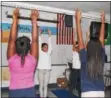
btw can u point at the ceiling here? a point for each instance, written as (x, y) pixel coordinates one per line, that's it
(84, 6)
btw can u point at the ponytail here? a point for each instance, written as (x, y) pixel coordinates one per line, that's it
(23, 58)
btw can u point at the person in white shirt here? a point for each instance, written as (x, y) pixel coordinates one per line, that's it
(44, 65)
(75, 72)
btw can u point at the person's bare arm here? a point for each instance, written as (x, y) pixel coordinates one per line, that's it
(34, 45)
(11, 50)
(79, 30)
(49, 42)
(102, 31)
(40, 40)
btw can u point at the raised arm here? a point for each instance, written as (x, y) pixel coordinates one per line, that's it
(102, 31)
(87, 39)
(11, 50)
(34, 44)
(40, 41)
(79, 30)
(49, 42)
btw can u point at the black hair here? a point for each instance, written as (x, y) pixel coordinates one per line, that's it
(94, 60)
(22, 47)
(76, 45)
(43, 44)
(76, 42)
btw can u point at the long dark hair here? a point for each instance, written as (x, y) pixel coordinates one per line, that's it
(22, 47)
(95, 60)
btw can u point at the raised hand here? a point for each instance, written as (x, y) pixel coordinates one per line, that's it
(49, 32)
(16, 13)
(78, 15)
(102, 17)
(34, 15)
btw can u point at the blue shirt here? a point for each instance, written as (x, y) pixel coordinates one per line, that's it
(86, 83)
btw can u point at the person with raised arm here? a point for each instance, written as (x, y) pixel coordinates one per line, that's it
(92, 61)
(22, 58)
(76, 66)
(44, 64)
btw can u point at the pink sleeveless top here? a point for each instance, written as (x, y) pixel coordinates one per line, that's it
(21, 77)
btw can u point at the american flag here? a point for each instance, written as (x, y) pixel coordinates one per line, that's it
(64, 32)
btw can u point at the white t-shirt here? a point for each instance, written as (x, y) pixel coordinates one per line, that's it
(76, 60)
(44, 57)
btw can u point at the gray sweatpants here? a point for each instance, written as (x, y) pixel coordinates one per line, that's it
(44, 76)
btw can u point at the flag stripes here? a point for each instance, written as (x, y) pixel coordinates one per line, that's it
(64, 33)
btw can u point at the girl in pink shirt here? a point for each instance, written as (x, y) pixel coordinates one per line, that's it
(22, 58)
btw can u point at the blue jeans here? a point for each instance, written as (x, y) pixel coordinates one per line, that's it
(21, 93)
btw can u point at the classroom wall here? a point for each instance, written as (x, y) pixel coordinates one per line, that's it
(56, 48)
(60, 54)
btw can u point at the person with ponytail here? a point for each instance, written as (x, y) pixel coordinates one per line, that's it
(22, 55)
(92, 61)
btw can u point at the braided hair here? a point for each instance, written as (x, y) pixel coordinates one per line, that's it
(22, 47)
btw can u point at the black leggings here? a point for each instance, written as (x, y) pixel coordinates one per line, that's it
(74, 79)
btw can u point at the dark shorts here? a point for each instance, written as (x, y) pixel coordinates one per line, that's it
(21, 93)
